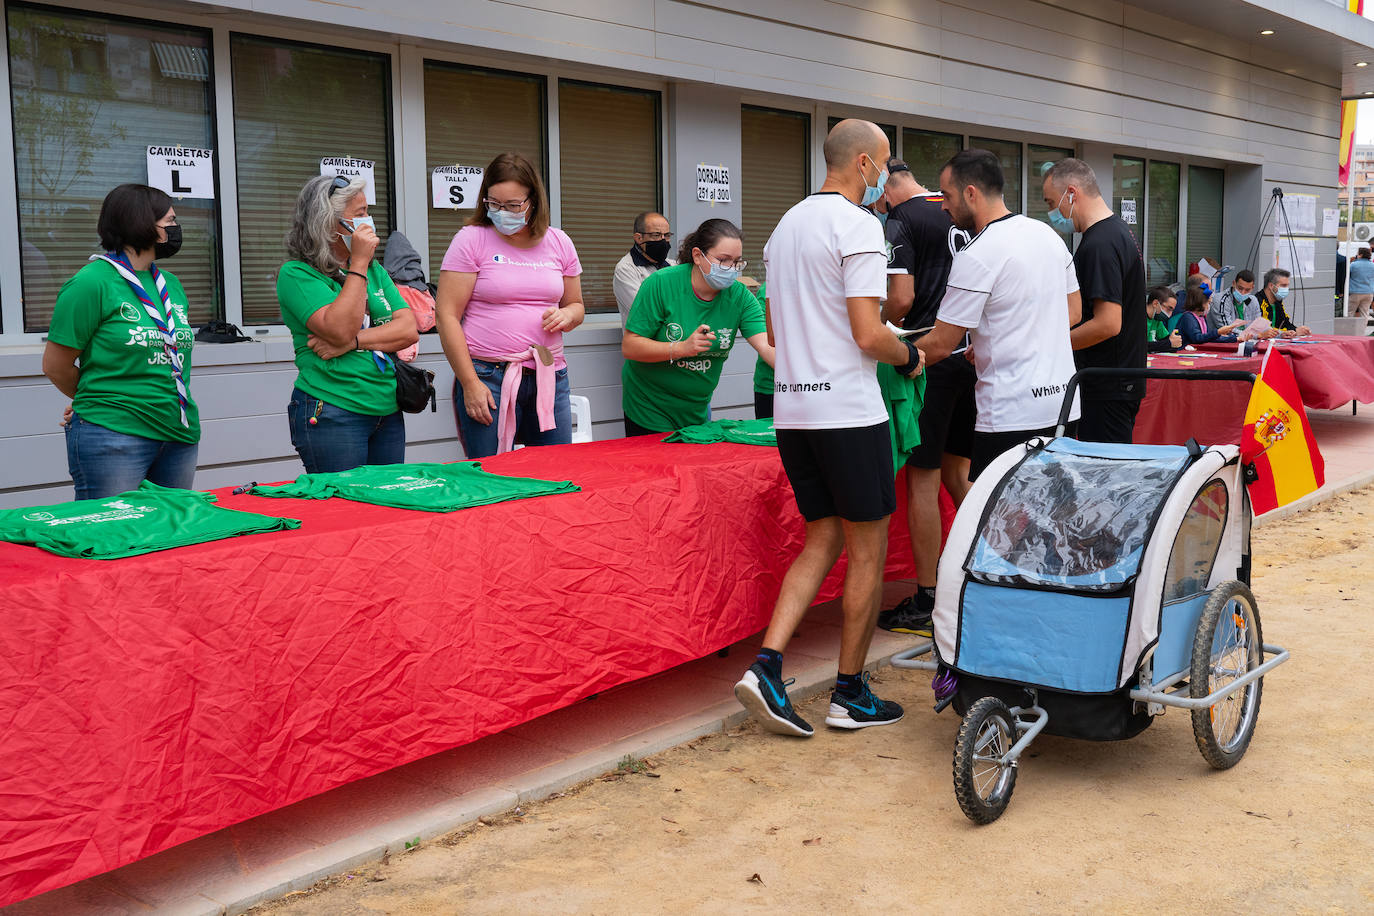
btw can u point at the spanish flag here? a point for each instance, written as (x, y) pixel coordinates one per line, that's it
(1277, 448)
(1347, 148)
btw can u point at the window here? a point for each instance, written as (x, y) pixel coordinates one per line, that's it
(609, 144)
(1206, 189)
(888, 129)
(1040, 160)
(295, 104)
(1197, 542)
(1161, 225)
(775, 148)
(90, 94)
(1008, 153)
(472, 115)
(927, 151)
(1128, 190)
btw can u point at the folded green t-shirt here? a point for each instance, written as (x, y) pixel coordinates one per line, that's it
(139, 521)
(747, 432)
(429, 487)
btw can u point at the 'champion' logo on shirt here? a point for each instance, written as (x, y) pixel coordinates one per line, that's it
(517, 262)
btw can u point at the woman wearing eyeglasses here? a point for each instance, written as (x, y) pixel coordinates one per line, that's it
(132, 417)
(683, 323)
(347, 321)
(509, 287)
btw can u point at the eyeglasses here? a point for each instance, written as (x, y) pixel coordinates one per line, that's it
(741, 264)
(656, 236)
(511, 206)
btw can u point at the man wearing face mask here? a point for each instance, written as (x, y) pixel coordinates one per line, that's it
(1231, 305)
(651, 251)
(1111, 282)
(826, 265)
(1271, 298)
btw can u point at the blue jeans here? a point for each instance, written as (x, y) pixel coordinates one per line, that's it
(103, 462)
(341, 440)
(480, 440)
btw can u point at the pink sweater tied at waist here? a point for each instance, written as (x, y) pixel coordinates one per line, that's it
(542, 359)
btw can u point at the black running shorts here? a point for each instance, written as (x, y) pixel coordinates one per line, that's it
(840, 472)
(947, 414)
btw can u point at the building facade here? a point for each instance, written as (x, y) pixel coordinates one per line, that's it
(1192, 119)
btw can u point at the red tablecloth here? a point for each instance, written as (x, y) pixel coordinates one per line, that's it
(1174, 411)
(1330, 371)
(155, 699)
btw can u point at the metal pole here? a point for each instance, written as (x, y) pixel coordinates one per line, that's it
(1350, 210)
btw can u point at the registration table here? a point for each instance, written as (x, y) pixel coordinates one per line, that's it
(1330, 370)
(1174, 411)
(154, 699)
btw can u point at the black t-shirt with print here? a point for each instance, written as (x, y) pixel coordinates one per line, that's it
(922, 241)
(1110, 267)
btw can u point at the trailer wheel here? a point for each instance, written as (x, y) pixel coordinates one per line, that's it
(1226, 645)
(981, 784)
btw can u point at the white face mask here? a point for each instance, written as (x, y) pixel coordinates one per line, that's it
(352, 226)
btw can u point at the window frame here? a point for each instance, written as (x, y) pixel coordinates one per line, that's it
(13, 324)
(807, 167)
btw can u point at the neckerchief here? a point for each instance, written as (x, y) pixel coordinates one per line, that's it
(164, 319)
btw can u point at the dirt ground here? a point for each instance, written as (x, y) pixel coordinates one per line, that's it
(867, 821)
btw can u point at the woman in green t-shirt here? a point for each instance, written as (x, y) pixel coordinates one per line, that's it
(681, 327)
(132, 417)
(347, 321)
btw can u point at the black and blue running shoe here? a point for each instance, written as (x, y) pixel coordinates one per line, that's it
(766, 698)
(861, 711)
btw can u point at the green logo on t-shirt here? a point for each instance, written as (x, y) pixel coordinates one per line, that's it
(674, 331)
(128, 312)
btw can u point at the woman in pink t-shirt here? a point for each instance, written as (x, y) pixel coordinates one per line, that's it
(509, 287)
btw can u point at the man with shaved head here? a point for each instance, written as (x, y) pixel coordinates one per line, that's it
(826, 263)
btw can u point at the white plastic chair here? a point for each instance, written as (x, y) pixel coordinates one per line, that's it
(582, 418)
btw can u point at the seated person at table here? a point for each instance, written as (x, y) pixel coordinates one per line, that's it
(1230, 306)
(1159, 309)
(1271, 305)
(680, 330)
(1193, 328)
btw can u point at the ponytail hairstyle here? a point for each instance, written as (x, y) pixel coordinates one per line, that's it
(706, 236)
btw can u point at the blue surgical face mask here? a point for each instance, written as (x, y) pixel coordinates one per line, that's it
(720, 277)
(1281, 293)
(506, 223)
(352, 226)
(882, 218)
(1239, 296)
(873, 192)
(1058, 220)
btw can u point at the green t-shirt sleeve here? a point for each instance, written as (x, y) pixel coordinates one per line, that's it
(751, 320)
(78, 310)
(647, 313)
(301, 292)
(382, 280)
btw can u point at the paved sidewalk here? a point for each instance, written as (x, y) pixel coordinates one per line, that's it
(234, 869)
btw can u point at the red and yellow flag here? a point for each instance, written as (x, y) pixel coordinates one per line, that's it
(1347, 149)
(1278, 440)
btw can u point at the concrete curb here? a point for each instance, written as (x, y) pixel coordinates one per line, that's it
(1312, 499)
(297, 873)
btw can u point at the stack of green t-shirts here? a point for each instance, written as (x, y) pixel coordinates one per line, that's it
(746, 432)
(430, 487)
(904, 398)
(139, 521)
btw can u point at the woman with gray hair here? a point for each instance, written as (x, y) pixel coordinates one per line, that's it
(346, 320)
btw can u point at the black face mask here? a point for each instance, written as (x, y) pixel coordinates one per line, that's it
(171, 246)
(657, 251)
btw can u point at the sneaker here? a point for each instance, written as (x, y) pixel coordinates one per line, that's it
(906, 618)
(862, 711)
(766, 698)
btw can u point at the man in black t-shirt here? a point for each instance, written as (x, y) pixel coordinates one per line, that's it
(921, 242)
(1111, 280)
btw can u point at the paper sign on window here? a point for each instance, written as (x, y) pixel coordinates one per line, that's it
(352, 168)
(1128, 210)
(713, 184)
(182, 171)
(456, 187)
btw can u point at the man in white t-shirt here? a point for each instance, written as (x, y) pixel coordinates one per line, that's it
(827, 273)
(1013, 288)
